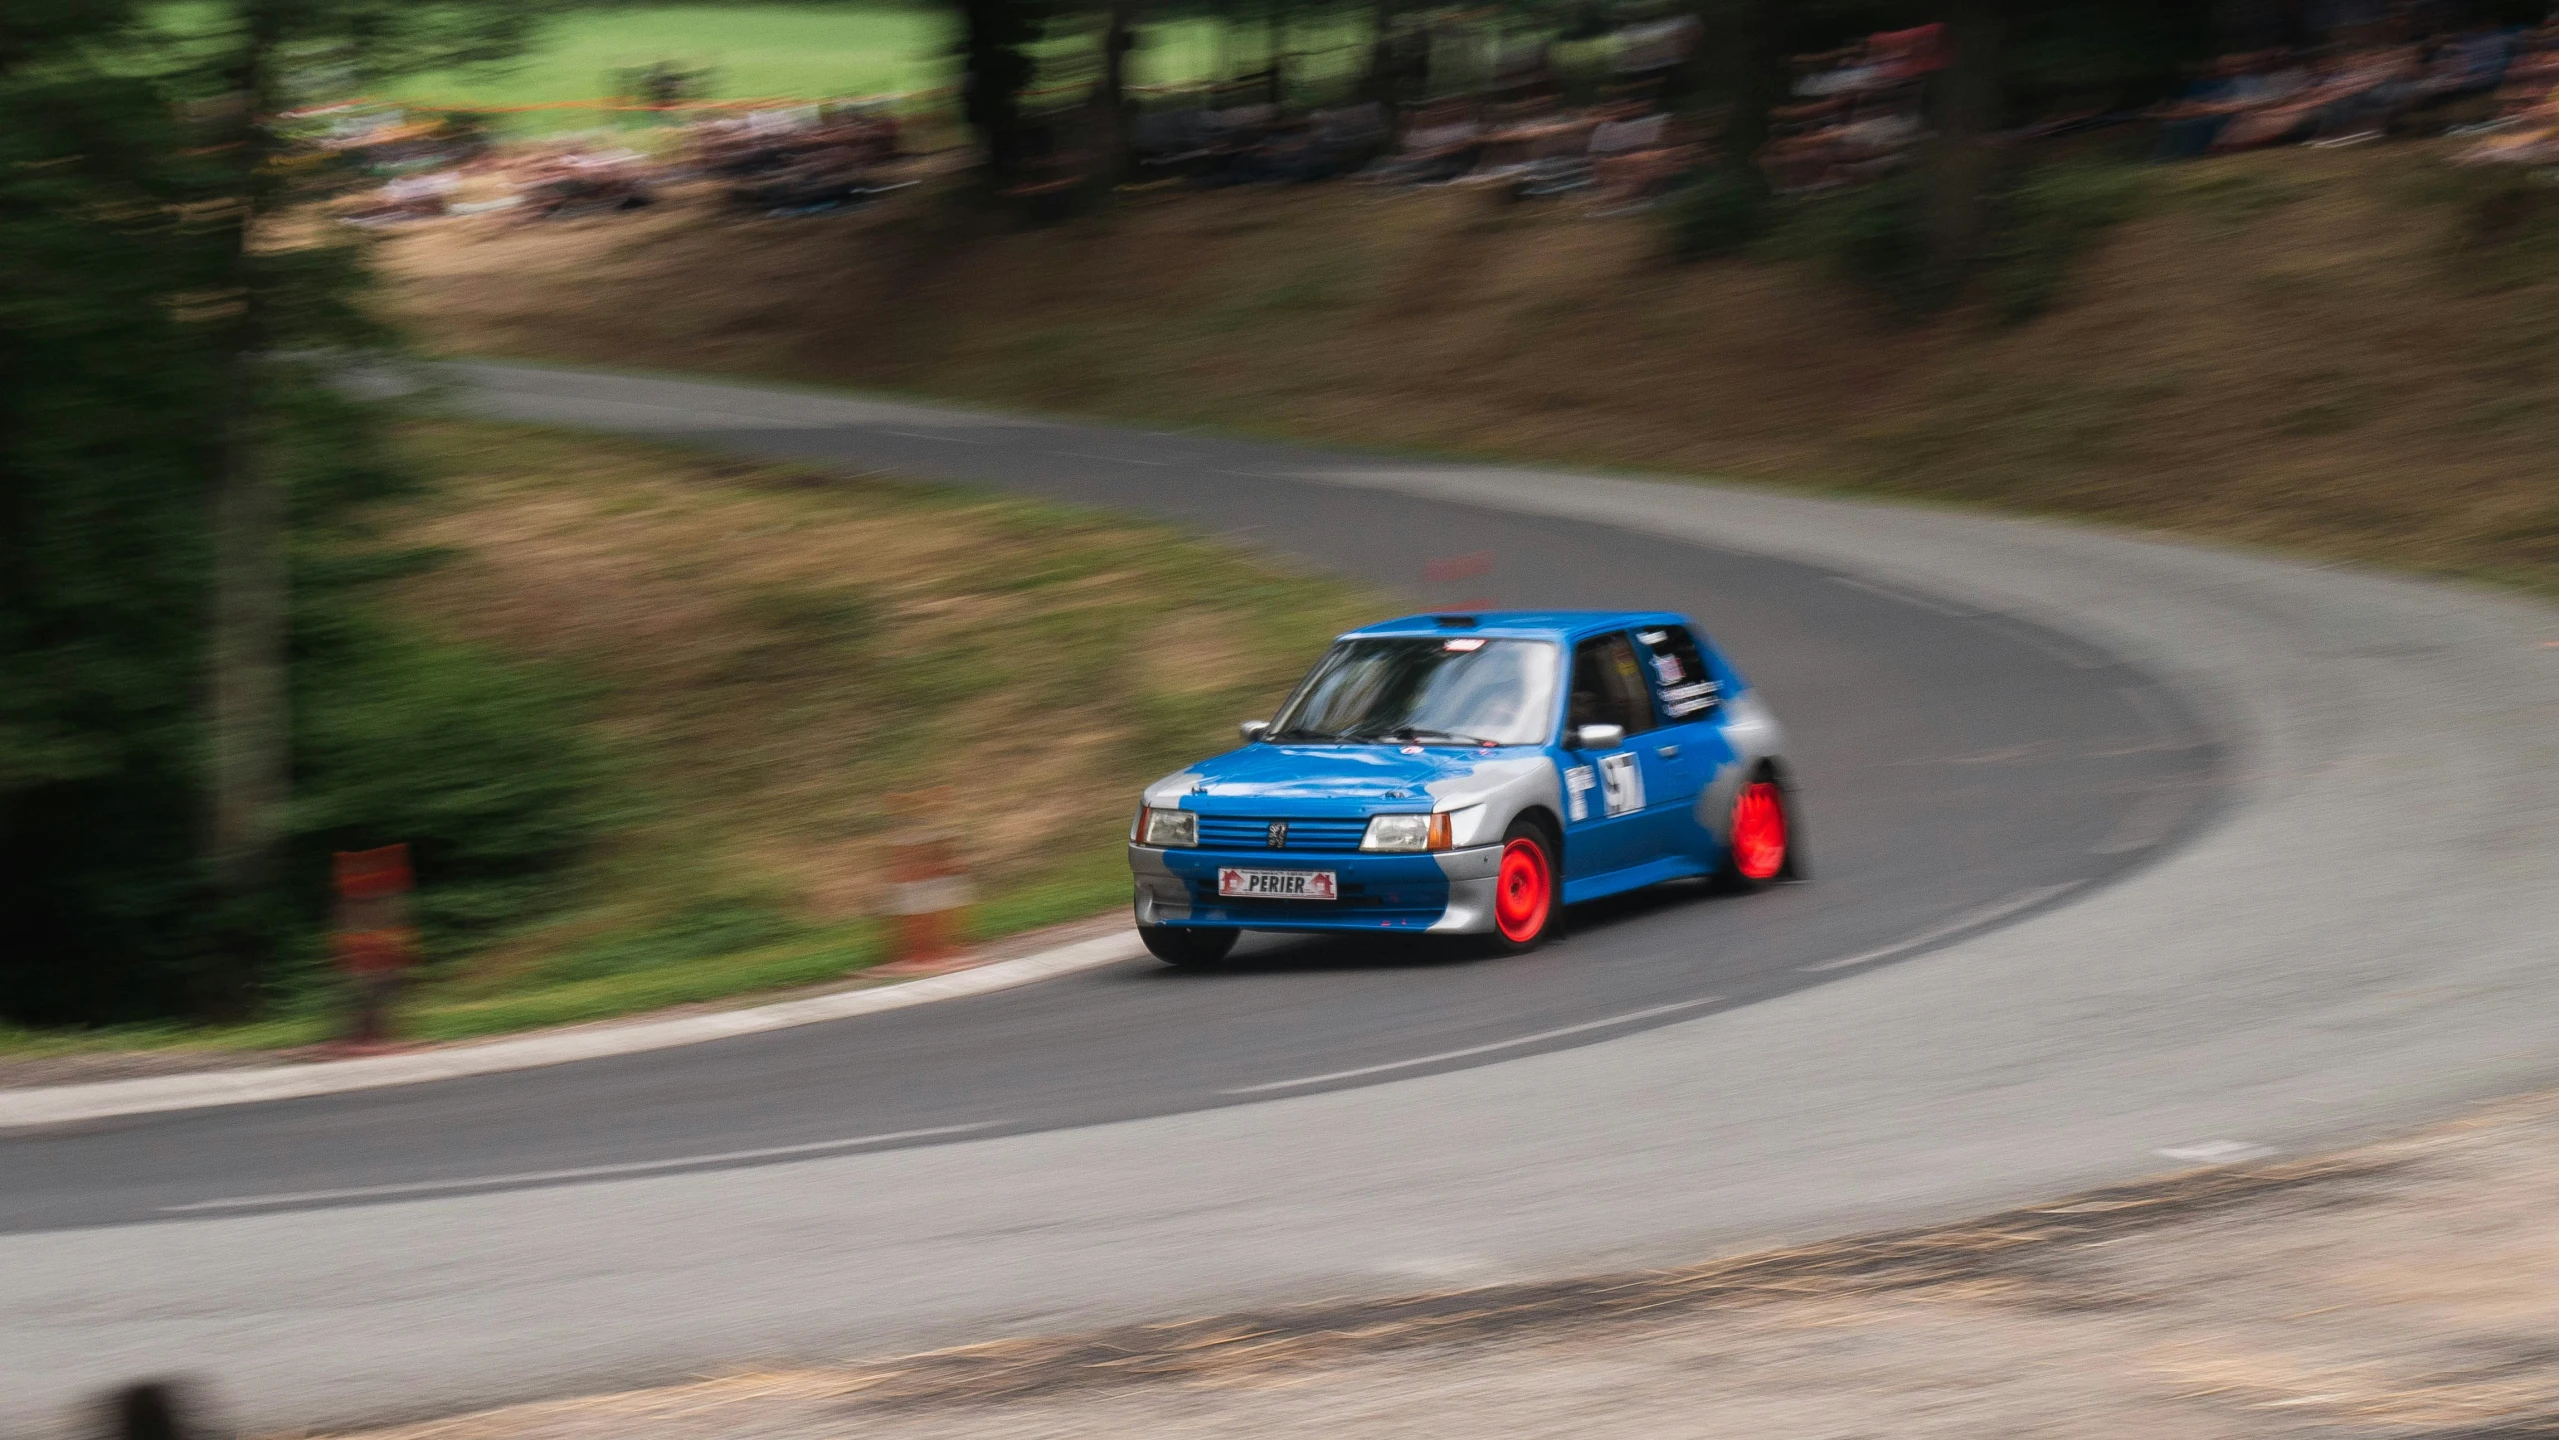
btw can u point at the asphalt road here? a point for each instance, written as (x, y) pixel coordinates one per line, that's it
(1959, 769)
(2126, 855)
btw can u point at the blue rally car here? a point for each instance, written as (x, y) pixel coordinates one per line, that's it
(1469, 775)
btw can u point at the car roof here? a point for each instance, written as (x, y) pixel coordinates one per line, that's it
(1519, 624)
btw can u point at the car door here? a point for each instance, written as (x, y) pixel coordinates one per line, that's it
(1688, 750)
(1605, 827)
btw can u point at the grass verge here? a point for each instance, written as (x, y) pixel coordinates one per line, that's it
(788, 669)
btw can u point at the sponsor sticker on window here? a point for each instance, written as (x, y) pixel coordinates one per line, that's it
(1680, 675)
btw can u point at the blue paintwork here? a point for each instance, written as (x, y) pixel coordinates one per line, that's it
(1526, 624)
(1633, 877)
(1347, 783)
(1358, 780)
(1379, 892)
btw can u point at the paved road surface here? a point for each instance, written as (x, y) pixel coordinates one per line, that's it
(2016, 968)
(1958, 768)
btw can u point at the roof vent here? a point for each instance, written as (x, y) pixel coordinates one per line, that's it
(1454, 622)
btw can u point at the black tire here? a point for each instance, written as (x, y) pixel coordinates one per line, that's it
(1192, 947)
(1552, 925)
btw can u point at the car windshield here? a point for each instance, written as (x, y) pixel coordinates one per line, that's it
(1429, 690)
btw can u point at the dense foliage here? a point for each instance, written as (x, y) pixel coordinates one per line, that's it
(108, 394)
(122, 272)
(1721, 211)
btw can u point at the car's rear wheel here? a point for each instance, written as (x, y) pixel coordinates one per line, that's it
(1759, 832)
(1527, 893)
(1187, 945)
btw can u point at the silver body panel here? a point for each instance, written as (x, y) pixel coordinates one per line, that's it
(1756, 739)
(1161, 896)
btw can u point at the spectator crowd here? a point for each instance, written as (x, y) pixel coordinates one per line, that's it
(1851, 115)
(794, 160)
(2479, 79)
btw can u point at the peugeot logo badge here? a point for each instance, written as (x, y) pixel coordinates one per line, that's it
(1279, 834)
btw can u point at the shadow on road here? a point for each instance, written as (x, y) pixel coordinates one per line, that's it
(1268, 953)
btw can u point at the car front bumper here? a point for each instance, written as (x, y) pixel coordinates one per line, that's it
(1444, 892)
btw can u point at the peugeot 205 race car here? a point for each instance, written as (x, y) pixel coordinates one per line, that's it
(1469, 775)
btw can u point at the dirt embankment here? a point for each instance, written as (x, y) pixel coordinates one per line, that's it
(2353, 352)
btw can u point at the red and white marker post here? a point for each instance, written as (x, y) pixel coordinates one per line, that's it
(929, 891)
(372, 941)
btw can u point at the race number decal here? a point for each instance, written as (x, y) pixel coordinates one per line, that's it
(1621, 783)
(1578, 783)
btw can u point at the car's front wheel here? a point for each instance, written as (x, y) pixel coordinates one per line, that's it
(1186, 945)
(1527, 890)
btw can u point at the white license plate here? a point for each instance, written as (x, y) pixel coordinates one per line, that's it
(1276, 884)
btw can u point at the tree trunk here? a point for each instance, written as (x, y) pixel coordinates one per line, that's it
(1751, 34)
(1117, 136)
(1960, 176)
(1382, 60)
(1275, 44)
(996, 69)
(251, 723)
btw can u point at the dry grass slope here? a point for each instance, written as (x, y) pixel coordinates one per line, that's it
(782, 656)
(2346, 352)
(788, 668)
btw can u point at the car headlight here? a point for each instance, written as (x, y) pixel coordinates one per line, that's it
(1406, 832)
(1169, 827)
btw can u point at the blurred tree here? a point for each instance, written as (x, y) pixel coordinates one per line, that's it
(1969, 107)
(1117, 113)
(167, 419)
(1380, 84)
(1744, 45)
(1275, 49)
(2042, 55)
(996, 67)
(279, 301)
(2011, 61)
(2017, 61)
(109, 399)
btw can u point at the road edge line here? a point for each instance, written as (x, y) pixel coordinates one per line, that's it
(45, 1105)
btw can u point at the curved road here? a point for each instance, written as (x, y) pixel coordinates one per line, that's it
(1964, 1006)
(1959, 769)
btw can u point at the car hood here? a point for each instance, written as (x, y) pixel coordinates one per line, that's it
(1235, 782)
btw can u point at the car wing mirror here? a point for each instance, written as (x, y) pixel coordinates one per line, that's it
(1599, 737)
(1253, 730)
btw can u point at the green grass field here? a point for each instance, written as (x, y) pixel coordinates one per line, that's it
(752, 51)
(831, 51)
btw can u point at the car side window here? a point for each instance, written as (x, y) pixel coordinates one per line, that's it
(1687, 688)
(1608, 686)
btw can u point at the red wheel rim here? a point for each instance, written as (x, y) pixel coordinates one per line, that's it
(1759, 831)
(1524, 891)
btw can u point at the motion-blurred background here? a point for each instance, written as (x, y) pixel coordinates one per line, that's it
(2274, 271)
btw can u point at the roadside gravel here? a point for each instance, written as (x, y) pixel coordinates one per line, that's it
(2406, 1289)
